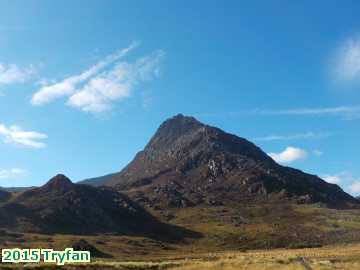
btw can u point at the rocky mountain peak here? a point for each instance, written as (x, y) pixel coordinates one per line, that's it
(180, 121)
(173, 128)
(185, 138)
(187, 163)
(59, 182)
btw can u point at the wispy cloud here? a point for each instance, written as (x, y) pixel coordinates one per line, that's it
(96, 88)
(347, 61)
(115, 84)
(11, 173)
(10, 74)
(332, 179)
(66, 87)
(289, 155)
(344, 111)
(306, 136)
(346, 179)
(15, 135)
(355, 187)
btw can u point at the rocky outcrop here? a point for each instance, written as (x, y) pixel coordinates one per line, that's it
(188, 163)
(61, 206)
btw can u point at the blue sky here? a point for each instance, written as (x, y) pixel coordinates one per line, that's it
(84, 84)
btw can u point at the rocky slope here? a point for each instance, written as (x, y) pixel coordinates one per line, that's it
(63, 207)
(189, 163)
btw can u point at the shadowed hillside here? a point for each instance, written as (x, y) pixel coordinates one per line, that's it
(63, 207)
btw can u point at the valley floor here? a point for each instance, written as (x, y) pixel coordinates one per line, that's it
(276, 236)
(327, 258)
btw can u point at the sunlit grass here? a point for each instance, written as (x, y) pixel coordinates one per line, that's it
(332, 257)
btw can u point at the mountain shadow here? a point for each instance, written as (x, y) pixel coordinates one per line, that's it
(61, 206)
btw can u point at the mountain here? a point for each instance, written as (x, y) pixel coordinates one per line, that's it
(17, 189)
(61, 206)
(188, 163)
(96, 181)
(194, 187)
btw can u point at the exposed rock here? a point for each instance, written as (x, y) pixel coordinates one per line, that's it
(61, 206)
(188, 163)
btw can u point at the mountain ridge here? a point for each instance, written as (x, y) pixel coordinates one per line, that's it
(189, 163)
(195, 185)
(60, 206)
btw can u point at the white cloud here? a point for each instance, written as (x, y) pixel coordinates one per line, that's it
(66, 87)
(115, 84)
(346, 179)
(352, 182)
(110, 80)
(12, 73)
(289, 155)
(333, 179)
(355, 187)
(11, 173)
(15, 135)
(347, 62)
(307, 135)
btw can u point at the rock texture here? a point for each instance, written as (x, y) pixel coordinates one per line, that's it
(63, 207)
(189, 163)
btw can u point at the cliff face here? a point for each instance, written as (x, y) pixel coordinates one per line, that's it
(189, 163)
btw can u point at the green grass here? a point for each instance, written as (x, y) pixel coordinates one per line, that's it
(345, 257)
(245, 227)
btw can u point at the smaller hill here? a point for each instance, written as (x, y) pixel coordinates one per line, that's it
(61, 206)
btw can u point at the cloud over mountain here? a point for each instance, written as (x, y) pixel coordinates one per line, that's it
(332, 179)
(289, 155)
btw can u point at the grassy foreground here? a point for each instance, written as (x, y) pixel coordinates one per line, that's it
(275, 236)
(326, 258)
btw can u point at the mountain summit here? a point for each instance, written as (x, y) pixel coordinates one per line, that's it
(58, 183)
(188, 163)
